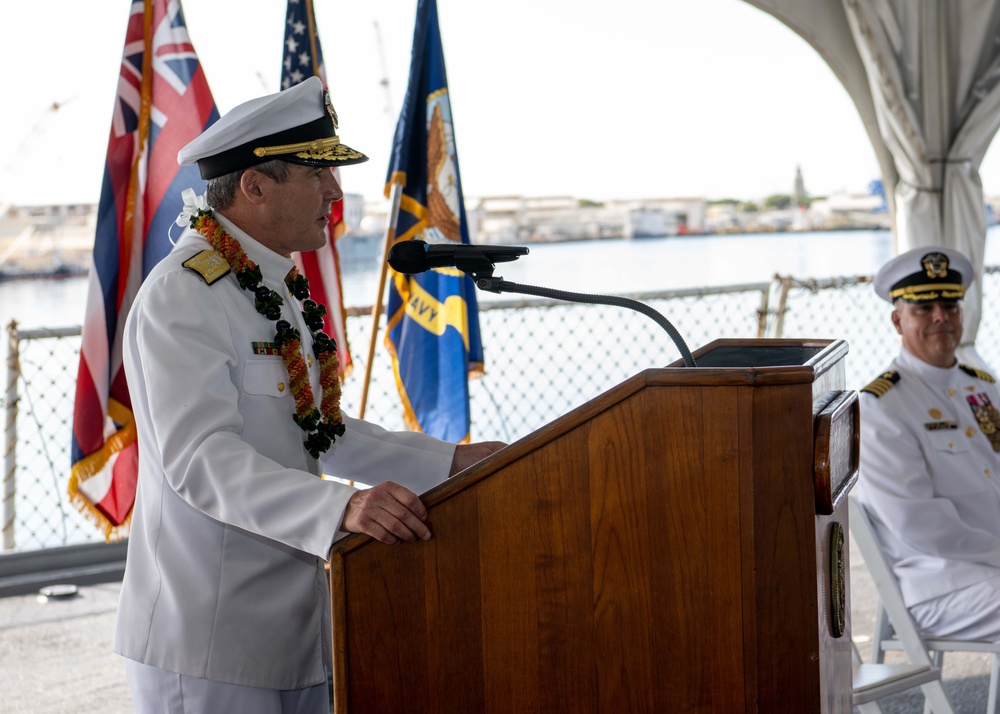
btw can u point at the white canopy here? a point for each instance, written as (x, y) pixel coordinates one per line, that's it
(924, 76)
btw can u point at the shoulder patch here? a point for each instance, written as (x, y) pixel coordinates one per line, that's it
(882, 384)
(209, 264)
(977, 373)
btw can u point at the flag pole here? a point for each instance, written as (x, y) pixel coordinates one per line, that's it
(390, 238)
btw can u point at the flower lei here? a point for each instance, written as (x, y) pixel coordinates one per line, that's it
(322, 425)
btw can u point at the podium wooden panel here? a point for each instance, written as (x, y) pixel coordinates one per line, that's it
(657, 549)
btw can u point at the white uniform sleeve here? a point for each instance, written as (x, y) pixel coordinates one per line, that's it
(370, 454)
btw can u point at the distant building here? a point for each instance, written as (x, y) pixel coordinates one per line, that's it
(521, 219)
(799, 195)
(846, 211)
(46, 239)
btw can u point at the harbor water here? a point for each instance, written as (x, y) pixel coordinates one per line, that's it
(594, 266)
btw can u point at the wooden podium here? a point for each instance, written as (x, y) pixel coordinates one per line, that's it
(674, 545)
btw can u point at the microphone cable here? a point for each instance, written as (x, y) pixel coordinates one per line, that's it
(498, 285)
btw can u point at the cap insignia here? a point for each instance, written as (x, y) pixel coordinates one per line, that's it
(935, 265)
(330, 110)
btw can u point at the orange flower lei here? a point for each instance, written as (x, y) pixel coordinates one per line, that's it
(325, 424)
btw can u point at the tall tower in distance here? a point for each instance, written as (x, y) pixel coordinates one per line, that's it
(799, 195)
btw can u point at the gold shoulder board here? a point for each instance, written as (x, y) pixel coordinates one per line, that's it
(209, 264)
(977, 373)
(882, 384)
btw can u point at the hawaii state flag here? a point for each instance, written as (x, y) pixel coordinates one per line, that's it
(433, 322)
(163, 102)
(303, 58)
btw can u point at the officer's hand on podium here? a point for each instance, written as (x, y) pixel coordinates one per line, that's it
(468, 454)
(388, 513)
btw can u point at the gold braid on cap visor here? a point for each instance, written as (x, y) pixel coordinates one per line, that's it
(931, 291)
(329, 149)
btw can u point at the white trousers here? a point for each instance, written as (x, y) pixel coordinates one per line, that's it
(972, 613)
(158, 691)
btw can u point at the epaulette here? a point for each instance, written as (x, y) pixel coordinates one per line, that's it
(977, 373)
(882, 384)
(209, 264)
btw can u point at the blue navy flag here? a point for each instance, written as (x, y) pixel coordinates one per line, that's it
(433, 321)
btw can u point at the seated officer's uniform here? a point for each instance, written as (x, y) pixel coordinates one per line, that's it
(930, 466)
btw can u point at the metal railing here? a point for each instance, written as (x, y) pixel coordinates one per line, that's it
(543, 358)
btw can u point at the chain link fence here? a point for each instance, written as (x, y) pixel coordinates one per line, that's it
(543, 358)
(848, 309)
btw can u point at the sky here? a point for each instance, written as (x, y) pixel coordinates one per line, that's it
(595, 100)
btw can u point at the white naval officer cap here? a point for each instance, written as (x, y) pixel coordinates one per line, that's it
(298, 124)
(922, 274)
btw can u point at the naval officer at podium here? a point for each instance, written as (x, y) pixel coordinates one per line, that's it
(235, 390)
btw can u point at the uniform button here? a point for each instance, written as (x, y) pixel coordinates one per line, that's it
(309, 359)
(281, 386)
(935, 413)
(970, 432)
(951, 392)
(951, 446)
(988, 474)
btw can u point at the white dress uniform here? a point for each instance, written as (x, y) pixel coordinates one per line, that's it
(225, 578)
(930, 477)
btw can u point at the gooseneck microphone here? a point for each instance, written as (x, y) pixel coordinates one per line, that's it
(417, 256)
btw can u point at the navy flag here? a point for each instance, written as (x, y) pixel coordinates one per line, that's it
(433, 321)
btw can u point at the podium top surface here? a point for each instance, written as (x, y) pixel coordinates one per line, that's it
(759, 355)
(768, 355)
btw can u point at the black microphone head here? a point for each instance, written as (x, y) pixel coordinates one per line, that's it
(409, 256)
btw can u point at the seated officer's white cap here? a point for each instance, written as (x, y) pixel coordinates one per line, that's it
(922, 274)
(298, 125)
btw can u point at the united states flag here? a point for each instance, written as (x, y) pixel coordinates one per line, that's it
(303, 58)
(163, 102)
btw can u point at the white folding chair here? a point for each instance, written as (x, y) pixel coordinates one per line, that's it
(891, 610)
(885, 639)
(874, 681)
(907, 632)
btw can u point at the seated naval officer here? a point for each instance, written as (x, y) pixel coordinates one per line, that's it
(930, 453)
(236, 395)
